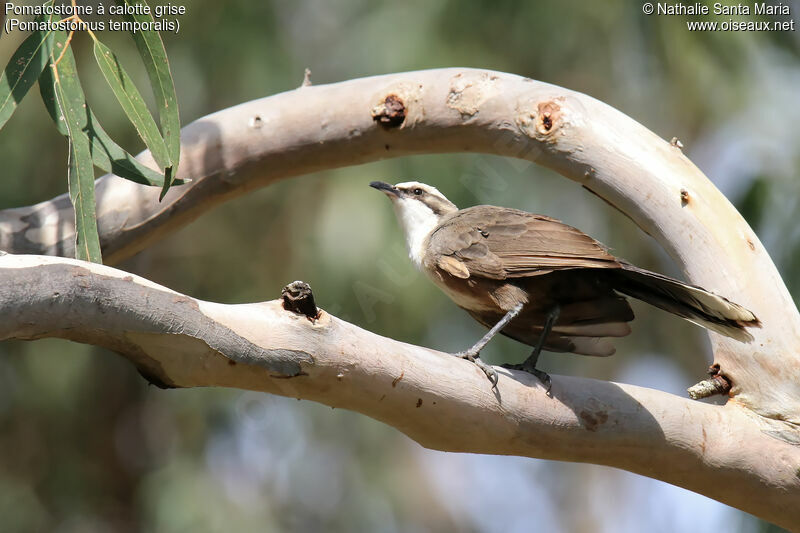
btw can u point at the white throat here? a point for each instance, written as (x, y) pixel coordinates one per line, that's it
(417, 221)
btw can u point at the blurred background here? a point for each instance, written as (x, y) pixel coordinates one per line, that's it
(86, 445)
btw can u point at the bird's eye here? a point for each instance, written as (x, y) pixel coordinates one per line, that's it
(417, 191)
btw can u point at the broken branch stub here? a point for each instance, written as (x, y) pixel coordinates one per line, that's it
(298, 298)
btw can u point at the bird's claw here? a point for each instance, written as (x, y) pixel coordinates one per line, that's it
(490, 372)
(544, 377)
(472, 357)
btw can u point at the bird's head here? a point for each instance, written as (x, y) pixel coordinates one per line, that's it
(416, 204)
(419, 209)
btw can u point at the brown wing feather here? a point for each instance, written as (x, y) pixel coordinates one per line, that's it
(500, 243)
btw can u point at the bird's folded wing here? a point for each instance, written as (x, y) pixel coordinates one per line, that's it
(500, 243)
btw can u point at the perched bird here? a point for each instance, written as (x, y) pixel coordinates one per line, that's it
(539, 281)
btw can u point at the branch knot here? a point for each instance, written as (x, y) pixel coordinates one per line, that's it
(298, 298)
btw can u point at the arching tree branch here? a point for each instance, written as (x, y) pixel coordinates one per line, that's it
(316, 127)
(440, 401)
(313, 128)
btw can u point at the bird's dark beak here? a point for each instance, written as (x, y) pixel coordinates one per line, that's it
(389, 190)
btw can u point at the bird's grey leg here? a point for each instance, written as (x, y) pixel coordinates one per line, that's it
(529, 365)
(472, 353)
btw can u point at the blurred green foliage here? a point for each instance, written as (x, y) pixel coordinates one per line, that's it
(87, 445)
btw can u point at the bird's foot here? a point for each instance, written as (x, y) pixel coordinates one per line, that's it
(472, 356)
(544, 377)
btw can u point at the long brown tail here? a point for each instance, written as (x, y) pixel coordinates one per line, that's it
(693, 303)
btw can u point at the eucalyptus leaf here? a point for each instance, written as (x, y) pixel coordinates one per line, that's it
(106, 154)
(22, 71)
(132, 102)
(154, 56)
(71, 104)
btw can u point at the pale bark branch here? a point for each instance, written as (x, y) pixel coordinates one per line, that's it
(745, 454)
(440, 401)
(318, 127)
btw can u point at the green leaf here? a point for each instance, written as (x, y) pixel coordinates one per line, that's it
(106, 153)
(29, 60)
(72, 105)
(154, 56)
(47, 84)
(168, 181)
(132, 103)
(111, 157)
(81, 192)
